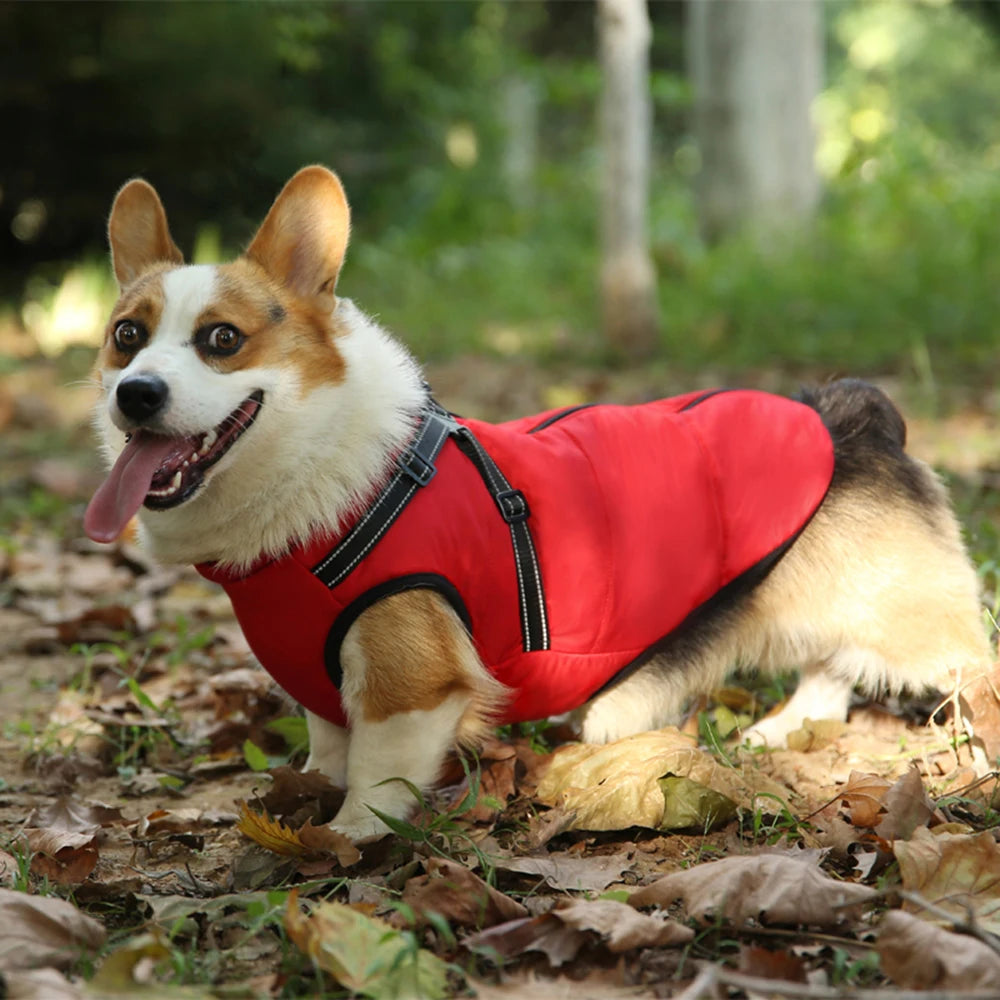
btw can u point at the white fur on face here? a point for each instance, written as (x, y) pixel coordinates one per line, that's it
(200, 398)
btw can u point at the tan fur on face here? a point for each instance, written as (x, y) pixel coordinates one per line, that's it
(143, 301)
(281, 329)
(416, 654)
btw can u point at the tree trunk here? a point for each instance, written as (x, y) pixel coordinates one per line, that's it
(519, 102)
(628, 279)
(756, 67)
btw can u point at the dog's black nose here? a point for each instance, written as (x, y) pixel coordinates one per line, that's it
(141, 396)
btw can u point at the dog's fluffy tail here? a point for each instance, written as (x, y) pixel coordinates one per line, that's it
(859, 414)
(869, 440)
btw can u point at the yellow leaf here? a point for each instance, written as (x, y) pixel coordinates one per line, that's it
(364, 954)
(269, 833)
(815, 734)
(687, 804)
(616, 786)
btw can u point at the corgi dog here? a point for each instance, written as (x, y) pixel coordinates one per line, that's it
(413, 577)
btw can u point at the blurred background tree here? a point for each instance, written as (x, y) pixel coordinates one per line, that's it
(467, 135)
(756, 69)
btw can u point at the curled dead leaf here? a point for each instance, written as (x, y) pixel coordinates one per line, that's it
(958, 873)
(570, 872)
(907, 807)
(616, 786)
(458, 895)
(916, 954)
(40, 984)
(561, 933)
(322, 838)
(762, 888)
(42, 930)
(864, 794)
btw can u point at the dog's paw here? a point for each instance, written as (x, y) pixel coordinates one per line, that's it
(359, 824)
(772, 732)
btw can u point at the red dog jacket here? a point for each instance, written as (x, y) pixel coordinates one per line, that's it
(572, 544)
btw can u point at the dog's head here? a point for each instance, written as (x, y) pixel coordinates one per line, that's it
(198, 361)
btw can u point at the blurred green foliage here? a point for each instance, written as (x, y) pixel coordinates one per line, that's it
(218, 103)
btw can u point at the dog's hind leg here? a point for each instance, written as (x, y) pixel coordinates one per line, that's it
(413, 688)
(821, 694)
(877, 592)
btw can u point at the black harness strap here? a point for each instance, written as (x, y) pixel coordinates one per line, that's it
(514, 510)
(415, 469)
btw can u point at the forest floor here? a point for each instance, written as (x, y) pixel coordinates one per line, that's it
(157, 840)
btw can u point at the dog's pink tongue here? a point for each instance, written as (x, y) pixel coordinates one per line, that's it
(121, 494)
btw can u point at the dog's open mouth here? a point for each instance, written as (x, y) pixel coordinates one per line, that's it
(161, 471)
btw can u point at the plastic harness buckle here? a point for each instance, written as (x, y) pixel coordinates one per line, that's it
(416, 467)
(513, 506)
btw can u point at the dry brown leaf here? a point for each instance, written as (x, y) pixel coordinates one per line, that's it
(907, 807)
(40, 984)
(835, 833)
(66, 813)
(916, 954)
(459, 895)
(560, 934)
(864, 794)
(958, 873)
(980, 705)
(68, 866)
(8, 868)
(619, 929)
(569, 873)
(546, 934)
(52, 841)
(322, 838)
(543, 826)
(183, 820)
(762, 888)
(292, 790)
(616, 786)
(520, 984)
(42, 930)
(767, 964)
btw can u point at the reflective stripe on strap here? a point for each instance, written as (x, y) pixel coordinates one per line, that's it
(514, 510)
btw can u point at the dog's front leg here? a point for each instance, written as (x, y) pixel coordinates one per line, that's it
(327, 749)
(413, 686)
(386, 755)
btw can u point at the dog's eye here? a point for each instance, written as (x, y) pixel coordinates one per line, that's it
(220, 340)
(129, 336)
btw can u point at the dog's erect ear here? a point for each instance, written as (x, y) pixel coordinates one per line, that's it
(303, 240)
(138, 232)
